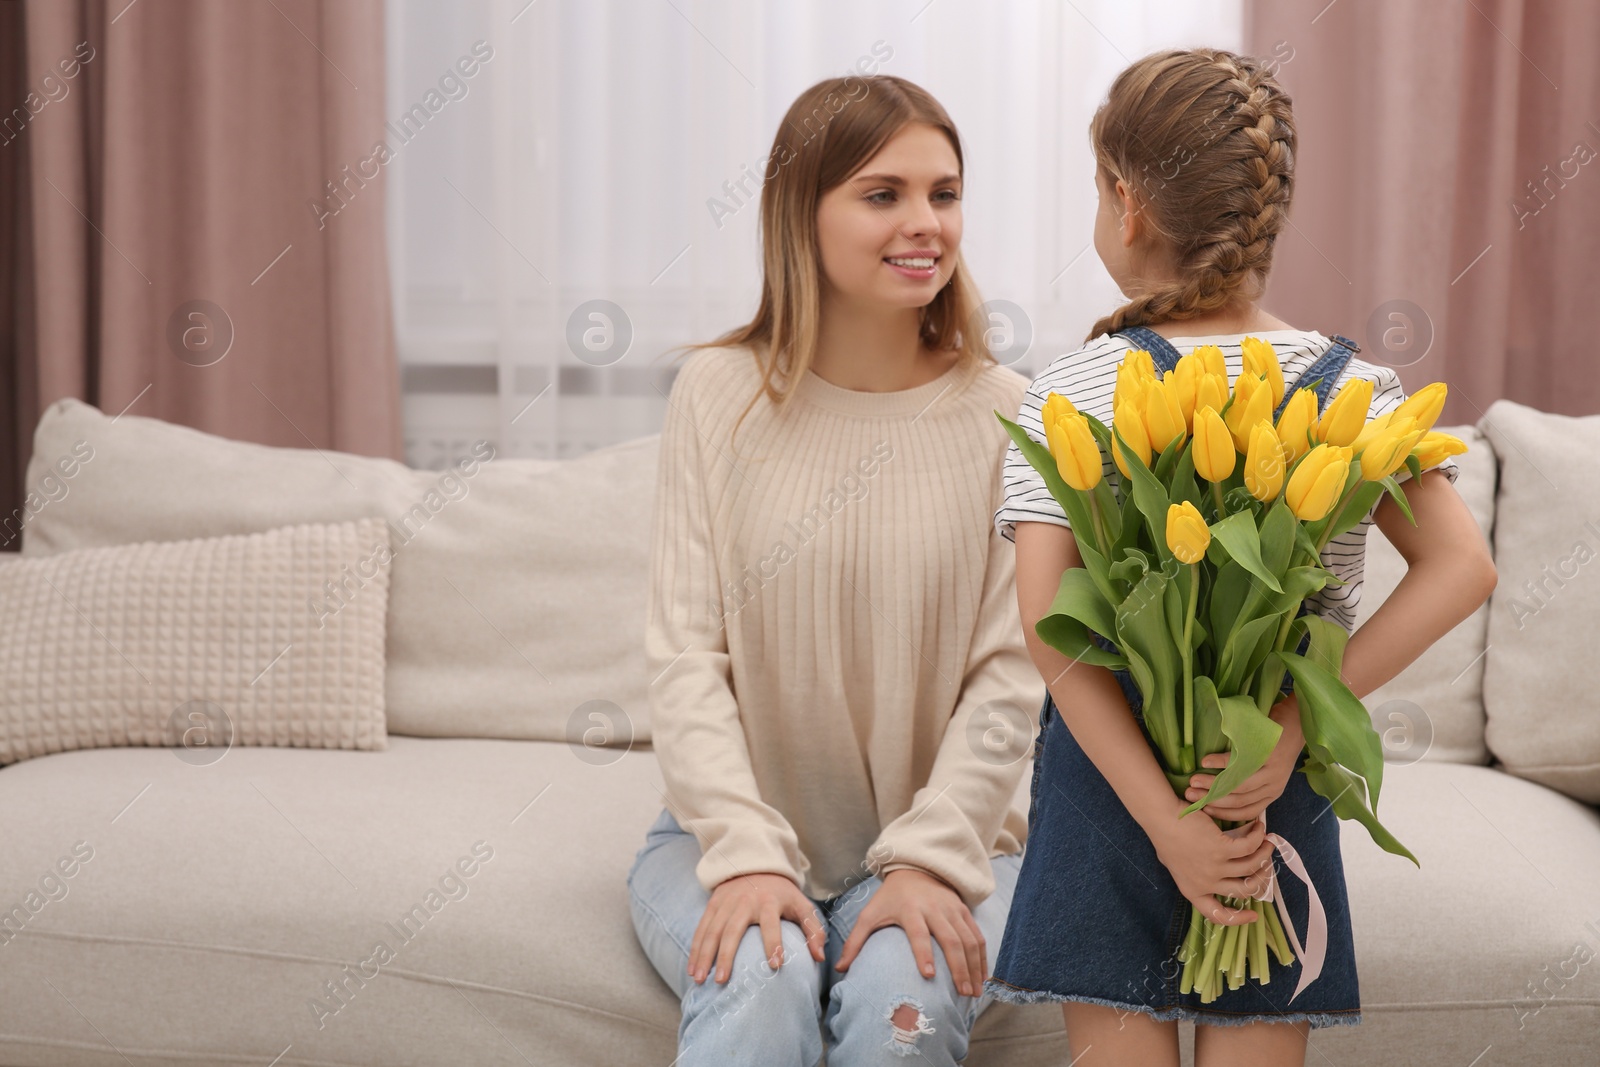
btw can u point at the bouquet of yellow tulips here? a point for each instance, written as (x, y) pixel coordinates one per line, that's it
(1196, 562)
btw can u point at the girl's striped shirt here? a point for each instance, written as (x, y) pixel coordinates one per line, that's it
(1088, 376)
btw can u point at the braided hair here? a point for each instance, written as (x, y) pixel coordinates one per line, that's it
(1205, 140)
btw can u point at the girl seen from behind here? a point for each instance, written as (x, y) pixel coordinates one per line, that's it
(1194, 156)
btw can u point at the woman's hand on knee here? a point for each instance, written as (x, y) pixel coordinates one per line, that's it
(926, 909)
(745, 901)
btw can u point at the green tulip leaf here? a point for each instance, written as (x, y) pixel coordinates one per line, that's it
(1338, 728)
(1079, 607)
(1252, 735)
(1146, 640)
(1399, 495)
(1243, 651)
(1149, 496)
(1346, 793)
(1238, 535)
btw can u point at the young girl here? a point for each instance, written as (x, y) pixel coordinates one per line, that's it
(1194, 156)
(841, 698)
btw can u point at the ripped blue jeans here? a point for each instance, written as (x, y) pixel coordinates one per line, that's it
(776, 1018)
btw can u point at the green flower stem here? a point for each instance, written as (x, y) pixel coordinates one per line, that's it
(1216, 492)
(1187, 755)
(1099, 524)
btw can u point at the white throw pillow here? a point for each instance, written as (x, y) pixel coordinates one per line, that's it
(517, 598)
(274, 638)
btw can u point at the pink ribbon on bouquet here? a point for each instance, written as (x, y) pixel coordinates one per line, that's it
(1316, 947)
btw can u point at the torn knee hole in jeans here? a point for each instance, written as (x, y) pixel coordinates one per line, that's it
(907, 1022)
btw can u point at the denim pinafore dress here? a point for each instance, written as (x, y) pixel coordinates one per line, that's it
(1096, 916)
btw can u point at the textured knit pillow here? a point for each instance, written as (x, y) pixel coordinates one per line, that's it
(1541, 673)
(272, 638)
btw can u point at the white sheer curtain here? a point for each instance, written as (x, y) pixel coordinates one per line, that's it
(575, 162)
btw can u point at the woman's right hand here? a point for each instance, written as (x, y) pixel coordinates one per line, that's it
(1207, 862)
(745, 901)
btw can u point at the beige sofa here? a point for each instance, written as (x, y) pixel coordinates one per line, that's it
(223, 903)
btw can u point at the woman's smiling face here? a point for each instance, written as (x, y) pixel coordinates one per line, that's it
(888, 235)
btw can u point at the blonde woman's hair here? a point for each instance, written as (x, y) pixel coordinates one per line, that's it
(829, 132)
(1205, 140)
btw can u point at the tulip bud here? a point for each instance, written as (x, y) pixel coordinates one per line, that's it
(1261, 358)
(1294, 425)
(1076, 452)
(1424, 405)
(1263, 464)
(1387, 452)
(1370, 432)
(1213, 447)
(1318, 482)
(1347, 414)
(1127, 421)
(1436, 447)
(1055, 406)
(1212, 391)
(1211, 359)
(1134, 376)
(1188, 536)
(1252, 402)
(1163, 414)
(1187, 375)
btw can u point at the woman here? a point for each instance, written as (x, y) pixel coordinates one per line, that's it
(841, 698)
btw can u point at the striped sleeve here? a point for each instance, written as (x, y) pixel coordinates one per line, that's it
(1087, 376)
(1027, 498)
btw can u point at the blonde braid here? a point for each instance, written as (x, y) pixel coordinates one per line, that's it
(1221, 223)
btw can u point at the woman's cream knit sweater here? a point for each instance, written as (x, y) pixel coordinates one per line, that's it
(839, 685)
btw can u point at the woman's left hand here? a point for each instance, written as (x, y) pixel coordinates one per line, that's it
(923, 905)
(1252, 796)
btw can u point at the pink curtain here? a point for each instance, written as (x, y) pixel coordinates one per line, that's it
(194, 229)
(1448, 180)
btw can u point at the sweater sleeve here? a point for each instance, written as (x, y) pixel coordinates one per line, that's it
(697, 734)
(956, 816)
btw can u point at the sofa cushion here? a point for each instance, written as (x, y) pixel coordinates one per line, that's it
(209, 909)
(1434, 708)
(516, 604)
(272, 638)
(1493, 941)
(1542, 673)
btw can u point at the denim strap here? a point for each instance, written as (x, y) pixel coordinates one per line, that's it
(1160, 349)
(1321, 374)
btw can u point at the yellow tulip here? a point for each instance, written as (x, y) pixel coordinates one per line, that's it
(1252, 402)
(1211, 359)
(1318, 482)
(1213, 447)
(1264, 464)
(1127, 421)
(1187, 533)
(1436, 447)
(1163, 414)
(1187, 375)
(1347, 414)
(1370, 431)
(1134, 375)
(1076, 452)
(1294, 425)
(1387, 452)
(1261, 358)
(1212, 391)
(1055, 406)
(1424, 405)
